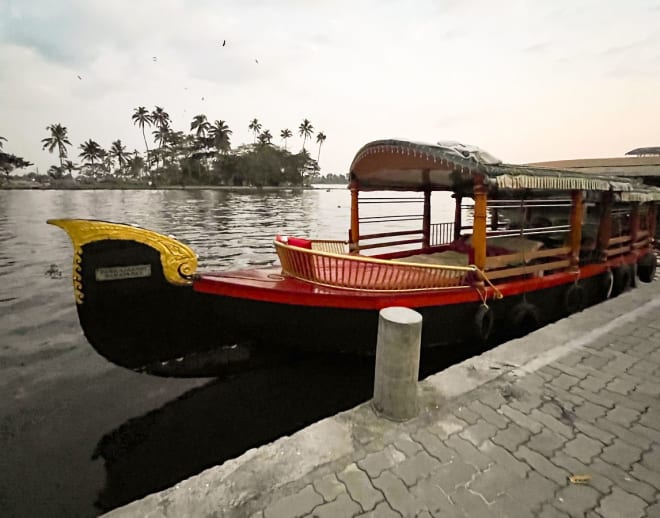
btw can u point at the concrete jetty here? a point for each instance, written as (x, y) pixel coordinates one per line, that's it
(562, 422)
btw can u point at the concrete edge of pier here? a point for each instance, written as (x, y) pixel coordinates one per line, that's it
(251, 482)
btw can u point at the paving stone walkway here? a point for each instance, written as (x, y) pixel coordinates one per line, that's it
(512, 447)
(575, 436)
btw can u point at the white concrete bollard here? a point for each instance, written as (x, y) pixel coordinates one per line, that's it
(397, 363)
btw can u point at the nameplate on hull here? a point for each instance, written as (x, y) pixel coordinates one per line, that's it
(115, 273)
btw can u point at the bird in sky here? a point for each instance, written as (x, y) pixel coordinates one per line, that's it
(202, 98)
(154, 58)
(79, 77)
(256, 61)
(224, 42)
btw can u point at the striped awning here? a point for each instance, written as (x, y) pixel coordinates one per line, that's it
(552, 183)
(641, 196)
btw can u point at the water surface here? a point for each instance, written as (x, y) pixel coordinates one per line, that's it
(79, 435)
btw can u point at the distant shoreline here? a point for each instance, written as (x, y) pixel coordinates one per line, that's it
(165, 188)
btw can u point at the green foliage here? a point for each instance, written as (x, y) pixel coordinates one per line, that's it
(9, 162)
(305, 130)
(202, 157)
(333, 179)
(264, 165)
(58, 139)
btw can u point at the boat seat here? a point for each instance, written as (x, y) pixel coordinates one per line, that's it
(295, 241)
(515, 244)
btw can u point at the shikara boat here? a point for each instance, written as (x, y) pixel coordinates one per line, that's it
(527, 246)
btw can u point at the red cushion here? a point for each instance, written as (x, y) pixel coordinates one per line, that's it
(300, 242)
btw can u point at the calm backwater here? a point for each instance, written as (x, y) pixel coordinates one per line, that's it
(79, 436)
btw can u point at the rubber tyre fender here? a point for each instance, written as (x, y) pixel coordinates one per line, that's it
(482, 323)
(646, 267)
(622, 279)
(524, 318)
(575, 299)
(633, 275)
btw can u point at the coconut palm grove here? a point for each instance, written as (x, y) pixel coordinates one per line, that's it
(203, 155)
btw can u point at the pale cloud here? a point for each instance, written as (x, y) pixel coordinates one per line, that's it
(526, 80)
(537, 47)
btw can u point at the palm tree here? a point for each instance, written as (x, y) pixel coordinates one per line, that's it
(320, 139)
(265, 137)
(135, 164)
(118, 152)
(58, 139)
(54, 172)
(70, 166)
(255, 127)
(220, 134)
(305, 130)
(106, 161)
(10, 162)
(91, 151)
(285, 134)
(161, 136)
(160, 117)
(141, 117)
(200, 124)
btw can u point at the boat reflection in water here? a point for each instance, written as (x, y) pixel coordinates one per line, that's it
(224, 418)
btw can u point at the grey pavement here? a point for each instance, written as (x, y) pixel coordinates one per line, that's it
(562, 422)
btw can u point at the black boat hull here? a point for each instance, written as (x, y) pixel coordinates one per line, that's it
(142, 312)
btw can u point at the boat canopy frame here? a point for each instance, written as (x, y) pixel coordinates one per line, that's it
(467, 171)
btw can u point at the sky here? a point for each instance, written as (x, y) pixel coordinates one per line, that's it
(526, 80)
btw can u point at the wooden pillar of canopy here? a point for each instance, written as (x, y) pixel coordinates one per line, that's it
(605, 225)
(354, 231)
(634, 222)
(577, 211)
(479, 225)
(426, 220)
(458, 221)
(653, 218)
(494, 219)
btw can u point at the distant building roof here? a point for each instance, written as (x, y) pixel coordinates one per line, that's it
(644, 151)
(637, 166)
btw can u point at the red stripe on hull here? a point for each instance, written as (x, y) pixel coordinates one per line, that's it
(268, 285)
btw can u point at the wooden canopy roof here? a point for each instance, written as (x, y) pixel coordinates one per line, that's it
(405, 165)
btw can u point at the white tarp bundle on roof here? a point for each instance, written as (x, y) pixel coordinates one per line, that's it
(468, 152)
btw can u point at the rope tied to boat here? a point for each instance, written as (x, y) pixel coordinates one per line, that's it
(577, 277)
(497, 294)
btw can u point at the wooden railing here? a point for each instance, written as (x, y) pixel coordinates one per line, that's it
(367, 273)
(642, 239)
(441, 233)
(513, 265)
(328, 263)
(386, 235)
(617, 246)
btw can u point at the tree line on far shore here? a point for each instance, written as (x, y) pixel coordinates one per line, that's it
(202, 156)
(9, 162)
